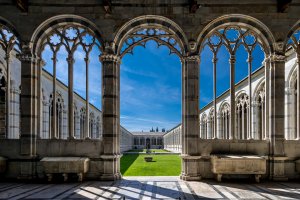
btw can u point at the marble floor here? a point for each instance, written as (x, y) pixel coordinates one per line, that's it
(152, 188)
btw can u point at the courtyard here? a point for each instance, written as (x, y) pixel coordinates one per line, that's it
(151, 188)
(163, 163)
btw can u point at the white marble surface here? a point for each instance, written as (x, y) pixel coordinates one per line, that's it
(152, 188)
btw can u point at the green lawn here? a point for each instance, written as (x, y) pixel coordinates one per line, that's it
(162, 165)
(152, 150)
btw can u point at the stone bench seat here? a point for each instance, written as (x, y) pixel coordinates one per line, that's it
(65, 166)
(238, 164)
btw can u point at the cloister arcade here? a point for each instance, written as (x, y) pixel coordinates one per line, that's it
(25, 37)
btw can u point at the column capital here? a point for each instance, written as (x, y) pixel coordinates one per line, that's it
(193, 58)
(110, 57)
(28, 57)
(232, 59)
(277, 58)
(70, 59)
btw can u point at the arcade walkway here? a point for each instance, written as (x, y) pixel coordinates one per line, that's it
(152, 188)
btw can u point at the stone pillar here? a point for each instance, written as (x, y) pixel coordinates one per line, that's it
(54, 99)
(70, 60)
(190, 118)
(232, 98)
(87, 104)
(8, 96)
(214, 128)
(276, 120)
(298, 96)
(249, 117)
(267, 63)
(111, 116)
(29, 119)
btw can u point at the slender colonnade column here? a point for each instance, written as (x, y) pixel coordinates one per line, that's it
(87, 104)
(250, 136)
(8, 92)
(214, 129)
(70, 60)
(298, 96)
(54, 108)
(232, 97)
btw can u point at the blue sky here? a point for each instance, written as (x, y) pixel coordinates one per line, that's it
(151, 82)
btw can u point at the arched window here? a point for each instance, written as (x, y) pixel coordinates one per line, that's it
(76, 122)
(82, 122)
(211, 125)
(59, 117)
(71, 53)
(2, 104)
(92, 125)
(203, 126)
(224, 115)
(98, 128)
(259, 114)
(9, 48)
(45, 116)
(153, 142)
(245, 49)
(242, 117)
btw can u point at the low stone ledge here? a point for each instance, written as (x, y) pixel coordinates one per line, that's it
(238, 164)
(297, 163)
(2, 164)
(65, 166)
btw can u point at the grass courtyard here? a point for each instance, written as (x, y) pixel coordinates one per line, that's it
(162, 165)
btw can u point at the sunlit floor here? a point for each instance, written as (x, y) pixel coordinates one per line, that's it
(152, 188)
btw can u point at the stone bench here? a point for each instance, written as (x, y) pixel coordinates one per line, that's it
(65, 166)
(2, 164)
(238, 164)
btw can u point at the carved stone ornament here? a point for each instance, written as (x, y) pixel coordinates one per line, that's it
(110, 57)
(194, 58)
(277, 58)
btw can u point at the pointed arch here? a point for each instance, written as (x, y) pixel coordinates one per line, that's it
(243, 21)
(151, 27)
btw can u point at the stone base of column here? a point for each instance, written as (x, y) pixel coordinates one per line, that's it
(110, 170)
(27, 170)
(277, 168)
(190, 168)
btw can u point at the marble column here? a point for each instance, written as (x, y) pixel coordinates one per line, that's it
(190, 118)
(29, 119)
(87, 105)
(111, 116)
(70, 60)
(276, 120)
(8, 96)
(232, 97)
(54, 99)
